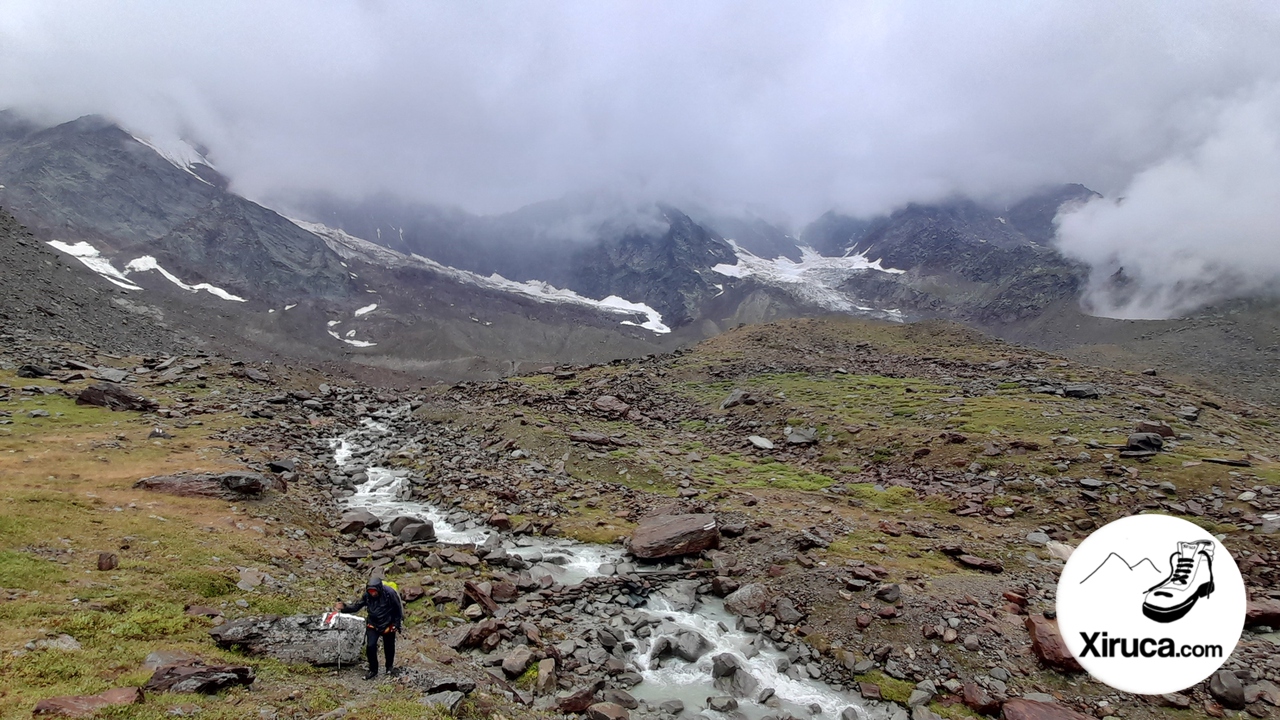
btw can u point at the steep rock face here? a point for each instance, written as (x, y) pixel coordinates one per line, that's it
(595, 246)
(534, 242)
(964, 260)
(664, 271)
(251, 251)
(1034, 215)
(13, 128)
(959, 237)
(756, 235)
(90, 180)
(833, 233)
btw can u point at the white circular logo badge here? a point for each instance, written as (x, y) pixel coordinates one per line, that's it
(1151, 604)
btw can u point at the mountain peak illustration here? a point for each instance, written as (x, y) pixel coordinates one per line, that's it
(1115, 563)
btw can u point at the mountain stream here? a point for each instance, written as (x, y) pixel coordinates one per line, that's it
(387, 493)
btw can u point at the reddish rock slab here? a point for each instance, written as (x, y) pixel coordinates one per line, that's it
(480, 597)
(202, 611)
(1262, 612)
(79, 706)
(228, 486)
(1020, 709)
(577, 701)
(608, 711)
(979, 563)
(1151, 426)
(474, 635)
(504, 592)
(670, 535)
(1048, 645)
(610, 405)
(198, 678)
(977, 699)
(115, 397)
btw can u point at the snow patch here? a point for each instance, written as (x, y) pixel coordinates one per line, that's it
(356, 343)
(290, 307)
(366, 309)
(814, 279)
(180, 153)
(654, 322)
(147, 263)
(92, 259)
(349, 246)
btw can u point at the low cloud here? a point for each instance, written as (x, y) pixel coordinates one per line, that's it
(1192, 229)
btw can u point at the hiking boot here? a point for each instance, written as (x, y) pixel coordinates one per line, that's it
(1190, 578)
(371, 675)
(393, 672)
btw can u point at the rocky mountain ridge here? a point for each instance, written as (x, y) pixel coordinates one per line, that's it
(581, 279)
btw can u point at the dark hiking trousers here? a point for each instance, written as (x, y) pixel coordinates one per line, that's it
(371, 636)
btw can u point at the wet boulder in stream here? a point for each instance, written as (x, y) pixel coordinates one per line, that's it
(400, 522)
(670, 535)
(685, 644)
(682, 595)
(355, 521)
(417, 532)
(730, 675)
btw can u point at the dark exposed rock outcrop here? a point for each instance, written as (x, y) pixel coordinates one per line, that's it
(297, 639)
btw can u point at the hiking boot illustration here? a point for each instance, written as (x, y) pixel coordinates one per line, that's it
(1190, 578)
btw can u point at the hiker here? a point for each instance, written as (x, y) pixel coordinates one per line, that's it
(385, 618)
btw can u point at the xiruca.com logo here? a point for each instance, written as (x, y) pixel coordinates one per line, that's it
(1099, 645)
(1151, 604)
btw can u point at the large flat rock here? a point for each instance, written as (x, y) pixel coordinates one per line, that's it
(228, 486)
(669, 535)
(297, 639)
(80, 706)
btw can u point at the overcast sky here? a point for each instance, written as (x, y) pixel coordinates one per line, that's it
(790, 108)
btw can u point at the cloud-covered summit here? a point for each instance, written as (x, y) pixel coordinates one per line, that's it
(784, 108)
